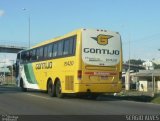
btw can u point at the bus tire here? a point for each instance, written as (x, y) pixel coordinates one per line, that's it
(59, 90)
(50, 89)
(22, 86)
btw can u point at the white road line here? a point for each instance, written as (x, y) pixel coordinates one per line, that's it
(38, 96)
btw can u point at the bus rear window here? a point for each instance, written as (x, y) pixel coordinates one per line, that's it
(101, 48)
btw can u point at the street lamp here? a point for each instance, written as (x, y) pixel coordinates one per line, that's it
(29, 27)
(29, 30)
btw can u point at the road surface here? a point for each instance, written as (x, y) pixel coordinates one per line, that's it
(13, 102)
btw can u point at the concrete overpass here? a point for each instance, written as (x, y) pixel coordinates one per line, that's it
(136, 68)
(11, 47)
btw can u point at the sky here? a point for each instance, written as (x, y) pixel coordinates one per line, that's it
(137, 21)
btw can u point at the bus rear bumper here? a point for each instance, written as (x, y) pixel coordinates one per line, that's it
(98, 88)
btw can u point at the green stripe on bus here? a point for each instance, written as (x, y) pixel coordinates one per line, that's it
(29, 73)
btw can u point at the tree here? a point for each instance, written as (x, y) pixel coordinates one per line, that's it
(135, 62)
(156, 66)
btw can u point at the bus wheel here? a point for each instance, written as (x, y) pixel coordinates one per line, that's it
(22, 86)
(50, 89)
(59, 90)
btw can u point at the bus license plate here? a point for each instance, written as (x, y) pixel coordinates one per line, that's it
(104, 77)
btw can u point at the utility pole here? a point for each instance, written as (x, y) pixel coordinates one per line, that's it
(29, 30)
(29, 27)
(127, 80)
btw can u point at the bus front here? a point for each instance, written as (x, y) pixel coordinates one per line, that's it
(101, 65)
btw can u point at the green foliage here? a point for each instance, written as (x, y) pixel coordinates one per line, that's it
(156, 100)
(156, 66)
(135, 62)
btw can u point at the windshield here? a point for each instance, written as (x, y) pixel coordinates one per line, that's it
(101, 48)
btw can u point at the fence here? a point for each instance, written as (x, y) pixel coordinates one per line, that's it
(7, 79)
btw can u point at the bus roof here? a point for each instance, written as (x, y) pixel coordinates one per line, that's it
(67, 35)
(58, 38)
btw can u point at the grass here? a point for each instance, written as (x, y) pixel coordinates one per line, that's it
(156, 99)
(139, 96)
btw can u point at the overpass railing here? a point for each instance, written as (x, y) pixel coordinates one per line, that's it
(6, 43)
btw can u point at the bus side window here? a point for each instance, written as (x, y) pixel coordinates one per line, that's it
(41, 54)
(27, 56)
(66, 47)
(50, 47)
(30, 55)
(34, 55)
(46, 52)
(18, 57)
(38, 54)
(24, 57)
(60, 48)
(72, 45)
(55, 49)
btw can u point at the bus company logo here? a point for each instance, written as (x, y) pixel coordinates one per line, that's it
(102, 39)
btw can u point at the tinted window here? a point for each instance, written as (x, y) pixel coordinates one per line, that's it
(34, 54)
(60, 48)
(41, 53)
(38, 54)
(24, 56)
(30, 55)
(69, 46)
(55, 49)
(66, 47)
(18, 56)
(45, 51)
(27, 56)
(50, 50)
(72, 46)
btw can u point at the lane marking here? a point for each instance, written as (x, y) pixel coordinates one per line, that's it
(38, 96)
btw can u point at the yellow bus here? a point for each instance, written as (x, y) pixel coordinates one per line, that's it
(85, 61)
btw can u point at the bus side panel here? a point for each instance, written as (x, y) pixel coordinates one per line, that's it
(28, 76)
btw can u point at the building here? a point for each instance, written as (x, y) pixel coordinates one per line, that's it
(128, 78)
(4, 70)
(157, 61)
(148, 65)
(149, 80)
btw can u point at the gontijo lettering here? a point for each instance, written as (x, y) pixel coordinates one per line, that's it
(44, 65)
(101, 51)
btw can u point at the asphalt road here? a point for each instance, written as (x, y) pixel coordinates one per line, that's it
(13, 101)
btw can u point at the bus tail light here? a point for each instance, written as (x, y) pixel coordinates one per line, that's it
(79, 74)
